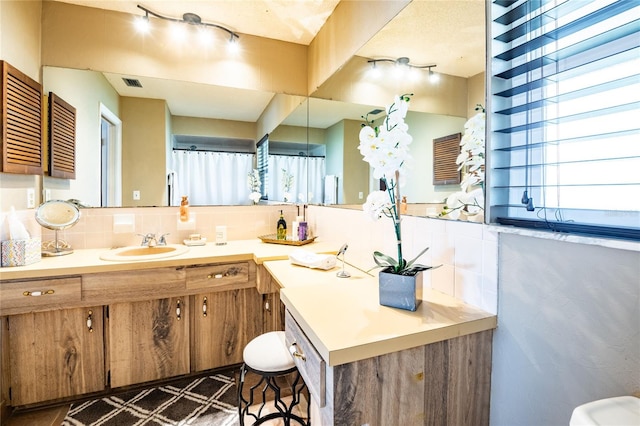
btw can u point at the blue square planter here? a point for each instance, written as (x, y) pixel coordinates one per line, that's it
(400, 291)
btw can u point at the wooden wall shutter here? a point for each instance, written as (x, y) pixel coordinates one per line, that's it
(62, 138)
(445, 152)
(21, 123)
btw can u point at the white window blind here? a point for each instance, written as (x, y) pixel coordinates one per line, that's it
(565, 115)
(262, 160)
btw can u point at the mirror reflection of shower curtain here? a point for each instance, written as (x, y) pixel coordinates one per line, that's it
(211, 178)
(302, 191)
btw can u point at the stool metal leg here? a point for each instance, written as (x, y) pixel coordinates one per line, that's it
(268, 383)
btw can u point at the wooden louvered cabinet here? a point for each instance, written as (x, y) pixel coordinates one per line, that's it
(21, 122)
(62, 138)
(445, 152)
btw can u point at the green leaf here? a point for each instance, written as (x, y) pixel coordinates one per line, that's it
(382, 260)
(416, 258)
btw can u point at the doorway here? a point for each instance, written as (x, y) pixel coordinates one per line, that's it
(110, 158)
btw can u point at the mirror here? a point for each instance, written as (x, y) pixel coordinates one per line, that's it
(57, 215)
(438, 114)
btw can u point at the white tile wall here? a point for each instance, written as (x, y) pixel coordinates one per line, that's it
(467, 252)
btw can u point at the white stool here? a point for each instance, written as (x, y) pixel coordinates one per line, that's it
(268, 357)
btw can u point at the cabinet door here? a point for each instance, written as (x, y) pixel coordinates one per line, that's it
(56, 354)
(224, 322)
(272, 312)
(148, 340)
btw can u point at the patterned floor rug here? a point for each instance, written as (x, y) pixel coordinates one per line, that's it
(208, 400)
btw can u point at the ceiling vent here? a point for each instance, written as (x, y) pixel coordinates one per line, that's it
(132, 82)
(375, 111)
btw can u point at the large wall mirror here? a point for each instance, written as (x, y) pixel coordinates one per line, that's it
(166, 114)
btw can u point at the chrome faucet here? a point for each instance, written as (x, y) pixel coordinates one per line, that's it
(150, 240)
(162, 240)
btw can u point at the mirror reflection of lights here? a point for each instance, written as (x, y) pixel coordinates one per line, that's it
(403, 68)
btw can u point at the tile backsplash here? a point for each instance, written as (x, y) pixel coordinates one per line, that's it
(98, 228)
(466, 252)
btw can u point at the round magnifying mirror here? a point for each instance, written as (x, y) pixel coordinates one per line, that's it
(57, 215)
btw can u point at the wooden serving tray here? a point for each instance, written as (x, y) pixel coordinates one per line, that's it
(272, 239)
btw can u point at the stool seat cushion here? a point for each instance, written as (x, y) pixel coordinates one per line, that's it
(268, 352)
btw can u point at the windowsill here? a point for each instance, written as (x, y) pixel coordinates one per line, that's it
(570, 238)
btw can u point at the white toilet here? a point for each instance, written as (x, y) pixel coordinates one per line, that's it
(618, 411)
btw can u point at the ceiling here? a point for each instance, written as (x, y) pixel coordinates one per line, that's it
(435, 26)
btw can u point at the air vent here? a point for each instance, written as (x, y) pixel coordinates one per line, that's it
(132, 82)
(375, 111)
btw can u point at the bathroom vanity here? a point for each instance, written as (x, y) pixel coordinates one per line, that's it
(370, 364)
(77, 325)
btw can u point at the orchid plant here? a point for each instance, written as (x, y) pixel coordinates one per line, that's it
(386, 149)
(287, 183)
(471, 163)
(253, 181)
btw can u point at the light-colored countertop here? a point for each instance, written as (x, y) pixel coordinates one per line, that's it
(343, 319)
(87, 261)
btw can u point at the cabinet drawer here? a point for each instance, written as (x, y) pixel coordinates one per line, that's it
(310, 364)
(224, 276)
(26, 296)
(128, 286)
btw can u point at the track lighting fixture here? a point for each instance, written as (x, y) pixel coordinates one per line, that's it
(405, 62)
(187, 18)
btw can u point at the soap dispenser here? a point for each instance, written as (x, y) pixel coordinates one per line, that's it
(184, 209)
(281, 233)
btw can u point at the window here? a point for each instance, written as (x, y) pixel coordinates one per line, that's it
(262, 160)
(565, 116)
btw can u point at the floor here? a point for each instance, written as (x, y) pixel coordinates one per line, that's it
(44, 417)
(54, 416)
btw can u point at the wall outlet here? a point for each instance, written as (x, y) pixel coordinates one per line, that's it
(31, 198)
(360, 195)
(136, 195)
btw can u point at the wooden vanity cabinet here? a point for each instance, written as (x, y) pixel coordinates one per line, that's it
(272, 307)
(56, 354)
(148, 340)
(442, 383)
(146, 325)
(223, 323)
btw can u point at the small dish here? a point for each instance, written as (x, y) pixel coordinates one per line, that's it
(200, 242)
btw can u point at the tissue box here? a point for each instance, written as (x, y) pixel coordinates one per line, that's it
(21, 252)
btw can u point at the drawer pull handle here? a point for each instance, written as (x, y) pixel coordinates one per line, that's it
(216, 276)
(178, 310)
(38, 293)
(204, 306)
(90, 321)
(293, 349)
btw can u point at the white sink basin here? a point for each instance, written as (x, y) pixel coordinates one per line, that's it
(126, 254)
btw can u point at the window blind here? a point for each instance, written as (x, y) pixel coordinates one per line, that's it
(262, 160)
(565, 116)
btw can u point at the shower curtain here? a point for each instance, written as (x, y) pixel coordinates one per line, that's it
(302, 190)
(211, 178)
